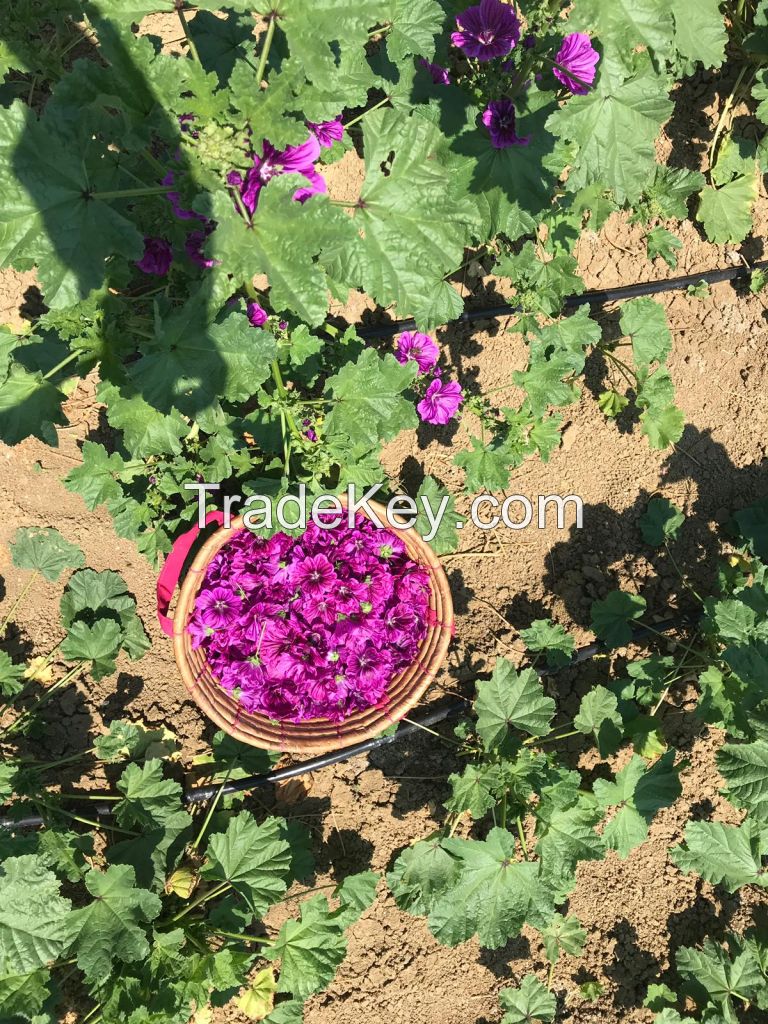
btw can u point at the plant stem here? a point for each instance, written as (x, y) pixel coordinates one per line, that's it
(60, 366)
(212, 808)
(42, 699)
(561, 67)
(553, 739)
(550, 975)
(190, 41)
(679, 572)
(130, 193)
(728, 105)
(266, 46)
(211, 894)
(625, 370)
(360, 117)
(17, 602)
(84, 821)
(521, 834)
(504, 810)
(245, 938)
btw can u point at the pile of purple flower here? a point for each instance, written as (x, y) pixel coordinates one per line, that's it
(315, 626)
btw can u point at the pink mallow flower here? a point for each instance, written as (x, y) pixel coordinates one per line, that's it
(327, 132)
(273, 162)
(157, 258)
(490, 29)
(419, 347)
(438, 75)
(579, 56)
(441, 402)
(499, 118)
(257, 315)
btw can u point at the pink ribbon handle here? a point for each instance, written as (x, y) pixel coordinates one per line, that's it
(168, 579)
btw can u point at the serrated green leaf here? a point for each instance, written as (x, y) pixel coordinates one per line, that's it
(512, 699)
(717, 976)
(663, 426)
(254, 858)
(612, 616)
(627, 24)
(726, 212)
(259, 998)
(563, 934)
(492, 895)
(34, 917)
(621, 106)
(148, 798)
(98, 644)
(23, 995)
(446, 539)
(662, 243)
(50, 184)
(668, 194)
(10, 675)
(744, 766)
(415, 25)
(29, 405)
(420, 874)
(566, 837)
(146, 430)
(639, 792)
(369, 404)
(599, 715)
(552, 639)
(310, 949)
(355, 894)
(44, 550)
(700, 33)
(193, 362)
(660, 522)
(529, 1003)
(611, 403)
(723, 854)
(645, 321)
(487, 468)
(112, 927)
(98, 479)
(474, 790)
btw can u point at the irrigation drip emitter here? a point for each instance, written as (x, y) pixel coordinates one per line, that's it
(448, 710)
(599, 297)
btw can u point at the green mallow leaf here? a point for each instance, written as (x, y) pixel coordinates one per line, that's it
(100, 476)
(663, 426)
(447, 538)
(10, 676)
(254, 858)
(44, 550)
(23, 995)
(511, 699)
(622, 105)
(355, 894)
(714, 976)
(486, 466)
(34, 916)
(668, 194)
(660, 522)
(626, 24)
(98, 644)
(30, 405)
(420, 874)
(51, 179)
(566, 837)
(726, 211)
(289, 1012)
(563, 935)
(744, 766)
(259, 998)
(369, 404)
(638, 792)
(148, 798)
(531, 1003)
(551, 639)
(492, 896)
(309, 949)
(700, 33)
(413, 218)
(599, 716)
(645, 321)
(611, 618)
(146, 431)
(476, 789)
(113, 926)
(662, 243)
(729, 855)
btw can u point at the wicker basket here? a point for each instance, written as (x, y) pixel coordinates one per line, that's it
(317, 735)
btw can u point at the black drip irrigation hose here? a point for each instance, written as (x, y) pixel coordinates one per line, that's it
(600, 297)
(451, 709)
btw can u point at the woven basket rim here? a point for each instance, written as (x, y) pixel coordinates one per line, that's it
(317, 735)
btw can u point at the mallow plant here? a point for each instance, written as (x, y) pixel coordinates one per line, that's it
(521, 819)
(151, 912)
(180, 212)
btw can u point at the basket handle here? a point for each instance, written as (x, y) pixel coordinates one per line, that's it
(168, 579)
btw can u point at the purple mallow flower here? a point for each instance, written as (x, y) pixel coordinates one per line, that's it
(499, 118)
(441, 402)
(273, 162)
(439, 75)
(257, 315)
(327, 132)
(419, 347)
(488, 30)
(315, 626)
(579, 56)
(157, 258)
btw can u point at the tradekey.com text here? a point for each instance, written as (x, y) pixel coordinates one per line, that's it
(326, 511)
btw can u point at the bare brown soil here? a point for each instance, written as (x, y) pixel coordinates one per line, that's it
(636, 912)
